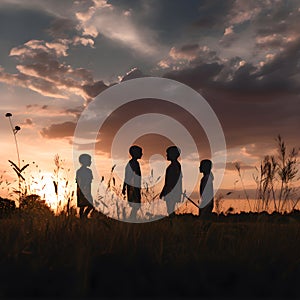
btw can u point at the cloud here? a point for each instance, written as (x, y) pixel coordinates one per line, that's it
(53, 111)
(255, 121)
(275, 40)
(187, 52)
(76, 111)
(41, 63)
(269, 25)
(163, 64)
(36, 106)
(100, 18)
(40, 70)
(280, 71)
(229, 37)
(254, 101)
(251, 30)
(94, 89)
(58, 131)
(193, 53)
(197, 77)
(232, 166)
(60, 47)
(62, 28)
(27, 123)
(126, 113)
(282, 19)
(242, 11)
(276, 73)
(132, 74)
(243, 56)
(83, 41)
(188, 56)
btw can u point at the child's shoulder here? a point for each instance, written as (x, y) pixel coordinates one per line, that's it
(83, 170)
(176, 163)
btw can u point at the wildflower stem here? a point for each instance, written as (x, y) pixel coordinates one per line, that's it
(16, 142)
(17, 148)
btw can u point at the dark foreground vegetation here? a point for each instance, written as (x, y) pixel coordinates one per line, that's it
(235, 256)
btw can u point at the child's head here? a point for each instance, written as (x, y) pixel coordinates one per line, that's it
(205, 166)
(85, 160)
(173, 153)
(136, 151)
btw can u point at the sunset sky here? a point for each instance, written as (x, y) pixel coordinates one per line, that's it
(56, 56)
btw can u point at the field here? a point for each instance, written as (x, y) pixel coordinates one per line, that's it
(235, 256)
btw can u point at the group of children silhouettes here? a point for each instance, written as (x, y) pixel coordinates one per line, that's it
(171, 191)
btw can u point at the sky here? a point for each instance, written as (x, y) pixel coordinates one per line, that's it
(56, 57)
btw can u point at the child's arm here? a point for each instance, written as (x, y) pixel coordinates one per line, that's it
(124, 188)
(165, 188)
(125, 180)
(203, 184)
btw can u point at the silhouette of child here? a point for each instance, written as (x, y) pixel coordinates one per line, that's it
(172, 190)
(132, 180)
(84, 177)
(206, 189)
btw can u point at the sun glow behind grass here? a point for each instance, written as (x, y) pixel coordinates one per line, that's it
(45, 188)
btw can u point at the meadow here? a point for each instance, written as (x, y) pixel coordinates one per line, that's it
(237, 256)
(53, 253)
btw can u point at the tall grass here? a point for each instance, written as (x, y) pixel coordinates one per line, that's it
(63, 188)
(238, 168)
(275, 180)
(64, 256)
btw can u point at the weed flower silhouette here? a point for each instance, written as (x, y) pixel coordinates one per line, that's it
(15, 130)
(17, 167)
